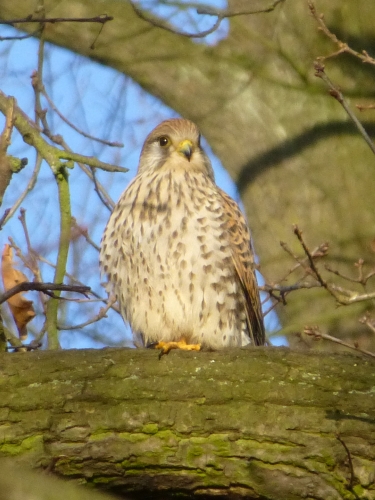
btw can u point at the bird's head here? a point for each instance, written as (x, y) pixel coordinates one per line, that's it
(174, 145)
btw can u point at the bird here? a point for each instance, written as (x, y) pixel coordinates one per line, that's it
(177, 252)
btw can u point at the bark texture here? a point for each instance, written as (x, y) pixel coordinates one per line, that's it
(286, 142)
(244, 423)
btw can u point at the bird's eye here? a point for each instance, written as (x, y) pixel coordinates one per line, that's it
(163, 141)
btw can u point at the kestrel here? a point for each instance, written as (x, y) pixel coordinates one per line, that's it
(177, 251)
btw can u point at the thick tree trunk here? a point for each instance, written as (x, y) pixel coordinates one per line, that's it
(244, 423)
(286, 142)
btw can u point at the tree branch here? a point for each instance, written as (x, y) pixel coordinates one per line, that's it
(27, 286)
(240, 423)
(97, 19)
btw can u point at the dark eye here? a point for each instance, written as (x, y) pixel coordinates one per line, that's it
(163, 141)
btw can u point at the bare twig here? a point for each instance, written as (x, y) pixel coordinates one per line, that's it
(342, 46)
(54, 156)
(278, 292)
(83, 232)
(353, 297)
(5, 140)
(6, 134)
(337, 94)
(31, 261)
(88, 160)
(4, 217)
(29, 187)
(313, 267)
(22, 219)
(34, 345)
(20, 37)
(74, 127)
(99, 188)
(29, 19)
(43, 287)
(67, 275)
(333, 89)
(101, 314)
(317, 334)
(365, 107)
(368, 321)
(317, 253)
(223, 13)
(219, 13)
(361, 279)
(351, 468)
(287, 288)
(343, 296)
(159, 23)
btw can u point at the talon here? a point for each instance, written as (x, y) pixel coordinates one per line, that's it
(165, 347)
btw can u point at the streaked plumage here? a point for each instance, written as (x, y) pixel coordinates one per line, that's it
(177, 251)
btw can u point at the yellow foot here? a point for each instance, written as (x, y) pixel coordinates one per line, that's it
(165, 347)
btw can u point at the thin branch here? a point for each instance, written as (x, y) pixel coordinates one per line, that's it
(85, 234)
(353, 298)
(361, 279)
(342, 296)
(343, 47)
(54, 156)
(5, 137)
(33, 346)
(90, 160)
(31, 261)
(101, 314)
(368, 321)
(3, 217)
(5, 140)
(219, 13)
(365, 107)
(278, 292)
(313, 267)
(74, 127)
(223, 13)
(287, 288)
(26, 286)
(30, 185)
(314, 331)
(317, 253)
(29, 19)
(20, 37)
(99, 188)
(99, 192)
(74, 279)
(351, 468)
(337, 94)
(158, 23)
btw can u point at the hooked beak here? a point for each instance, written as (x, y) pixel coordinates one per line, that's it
(185, 148)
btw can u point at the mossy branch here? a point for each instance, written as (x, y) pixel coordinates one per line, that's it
(54, 156)
(62, 257)
(241, 423)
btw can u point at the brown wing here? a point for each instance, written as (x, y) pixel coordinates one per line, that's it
(243, 258)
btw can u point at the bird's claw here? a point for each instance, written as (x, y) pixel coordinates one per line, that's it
(165, 347)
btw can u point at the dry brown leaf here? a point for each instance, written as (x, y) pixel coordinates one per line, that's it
(21, 308)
